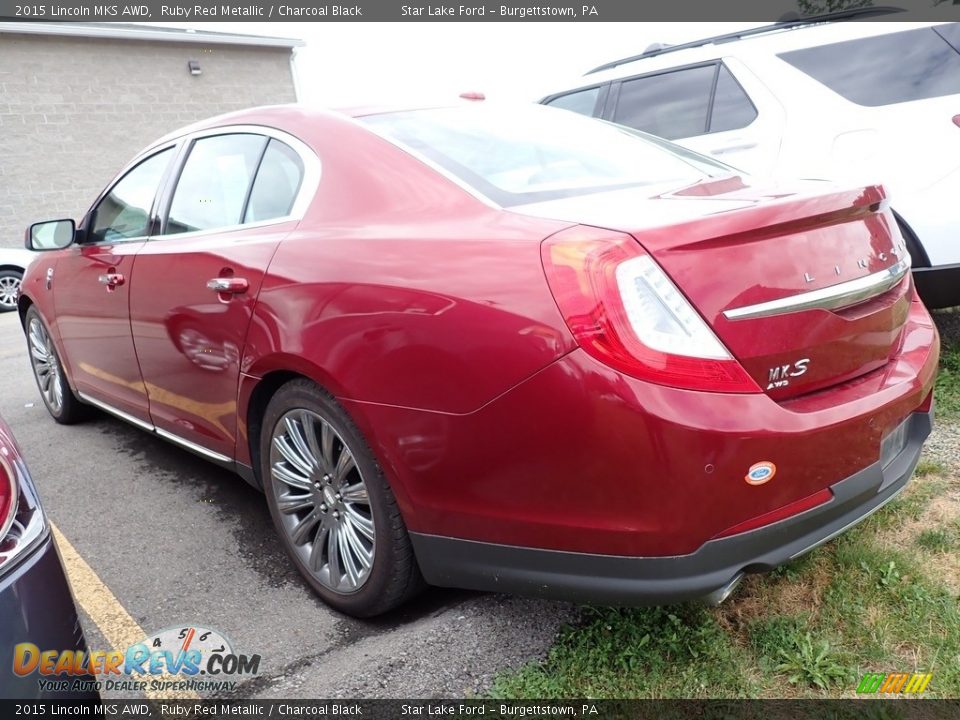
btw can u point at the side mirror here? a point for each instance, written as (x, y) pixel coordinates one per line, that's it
(51, 235)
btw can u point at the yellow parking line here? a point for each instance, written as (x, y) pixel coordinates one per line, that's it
(120, 630)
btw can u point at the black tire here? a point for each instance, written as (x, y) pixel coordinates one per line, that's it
(393, 577)
(9, 286)
(63, 406)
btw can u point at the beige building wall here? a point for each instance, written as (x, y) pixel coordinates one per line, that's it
(74, 110)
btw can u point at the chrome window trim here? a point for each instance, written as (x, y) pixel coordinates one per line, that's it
(312, 173)
(224, 229)
(833, 297)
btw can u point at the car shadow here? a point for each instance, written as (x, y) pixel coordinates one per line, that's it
(244, 509)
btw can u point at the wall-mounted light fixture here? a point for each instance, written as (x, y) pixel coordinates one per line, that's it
(194, 67)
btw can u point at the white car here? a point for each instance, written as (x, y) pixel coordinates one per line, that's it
(13, 261)
(848, 101)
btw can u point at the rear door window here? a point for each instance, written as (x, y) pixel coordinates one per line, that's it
(685, 103)
(886, 69)
(215, 182)
(671, 105)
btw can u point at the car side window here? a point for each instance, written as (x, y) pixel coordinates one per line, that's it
(685, 103)
(583, 102)
(124, 213)
(731, 108)
(885, 69)
(215, 182)
(951, 33)
(276, 185)
(672, 105)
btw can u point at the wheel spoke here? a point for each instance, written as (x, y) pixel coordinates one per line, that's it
(316, 550)
(356, 493)
(301, 532)
(359, 550)
(289, 504)
(333, 558)
(364, 525)
(291, 455)
(296, 434)
(345, 464)
(57, 399)
(291, 478)
(309, 425)
(326, 447)
(349, 562)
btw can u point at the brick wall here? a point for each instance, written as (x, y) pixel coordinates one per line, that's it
(73, 111)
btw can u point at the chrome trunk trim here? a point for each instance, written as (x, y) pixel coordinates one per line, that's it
(834, 297)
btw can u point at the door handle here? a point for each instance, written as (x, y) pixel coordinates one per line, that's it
(111, 279)
(228, 285)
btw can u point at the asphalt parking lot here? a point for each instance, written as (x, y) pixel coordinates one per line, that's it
(164, 539)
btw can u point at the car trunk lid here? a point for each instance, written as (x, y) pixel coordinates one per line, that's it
(806, 286)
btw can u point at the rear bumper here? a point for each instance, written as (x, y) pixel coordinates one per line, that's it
(938, 287)
(36, 606)
(623, 580)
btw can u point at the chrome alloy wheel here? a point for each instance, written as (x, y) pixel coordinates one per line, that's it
(322, 501)
(46, 367)
(9, 290)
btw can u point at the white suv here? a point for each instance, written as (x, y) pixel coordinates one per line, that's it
(839, 100)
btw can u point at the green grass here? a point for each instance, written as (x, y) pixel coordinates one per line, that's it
(930, 467)
(937, 540)
(678, 651)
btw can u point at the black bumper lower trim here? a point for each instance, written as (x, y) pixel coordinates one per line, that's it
(620, 580)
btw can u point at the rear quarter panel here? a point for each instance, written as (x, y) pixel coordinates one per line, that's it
(399, 288)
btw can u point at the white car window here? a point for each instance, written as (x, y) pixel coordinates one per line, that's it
(886, 69)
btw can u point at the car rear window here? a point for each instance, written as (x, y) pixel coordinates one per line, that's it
(886, 69)
(525, 154)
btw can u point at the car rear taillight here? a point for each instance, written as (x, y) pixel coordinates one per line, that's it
(8, 494)
(625, 311)
(956, 120)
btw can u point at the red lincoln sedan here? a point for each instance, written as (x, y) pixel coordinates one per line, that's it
(496, 348)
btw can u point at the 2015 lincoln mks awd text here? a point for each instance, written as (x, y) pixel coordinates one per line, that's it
(495, 348)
